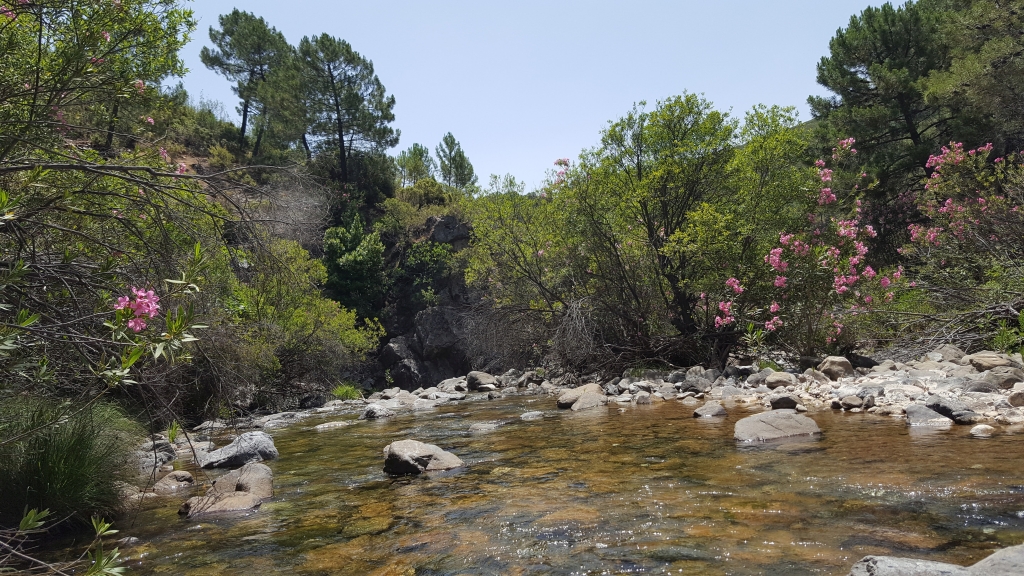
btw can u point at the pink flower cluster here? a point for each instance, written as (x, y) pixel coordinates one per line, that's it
(145, 305)
(774, 259)
(735, 285)
(727, 318)
(773, 324)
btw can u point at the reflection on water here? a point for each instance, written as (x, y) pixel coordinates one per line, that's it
(647, 490)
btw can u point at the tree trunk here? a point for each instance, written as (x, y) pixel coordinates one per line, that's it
(259, 140)
(245, 119)
(111, 125)
(305, 144)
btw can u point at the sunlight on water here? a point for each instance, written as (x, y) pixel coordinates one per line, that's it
(649, 490)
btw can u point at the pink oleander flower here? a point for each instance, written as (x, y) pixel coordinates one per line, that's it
(774, 259)
(885, 282)
(868, 299)
(735, 285)
(819, 163)
(869, 272)
(825, 174)
(780, 281)
(149, 119)
(826, 196)
(774, 307)
(106, 35)
(164, 154)
(773, 324)
(137, 324)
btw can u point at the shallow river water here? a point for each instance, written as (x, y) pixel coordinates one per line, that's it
(647, 490)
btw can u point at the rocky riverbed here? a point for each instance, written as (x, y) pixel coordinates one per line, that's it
(478, 424)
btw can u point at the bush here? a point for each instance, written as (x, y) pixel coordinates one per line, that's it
(72, 468)
(346, 392)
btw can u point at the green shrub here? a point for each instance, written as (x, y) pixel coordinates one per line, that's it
(346, 392)
(70, 468)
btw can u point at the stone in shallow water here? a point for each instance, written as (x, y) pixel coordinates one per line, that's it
(709, 410)
(535, 415)
(918, 415)
(412, 457)
(589, 400)
(249, 447)
(982, 431)
(774, 425)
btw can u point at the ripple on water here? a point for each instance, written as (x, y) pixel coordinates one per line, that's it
(648, 490)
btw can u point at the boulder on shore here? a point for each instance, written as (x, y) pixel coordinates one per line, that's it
(1005, 562)
(407, 457)
(710, 410)
(919, 415)
(481, 381)
(774, 425)
(570, 397)
(780, 379)
(836, 367)
(249, 447)
(589, 400)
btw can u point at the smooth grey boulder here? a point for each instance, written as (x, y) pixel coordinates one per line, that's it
(836, 367)
(408, 457)
(234, 502)
(174, 481)
(1005, 562)
(248, 447)
(710, 410)
(1016, 399)
(982, 431)
(987, 360)
(783, 401)
(919, 415)
(1004, 377)
(890, 566)
(774, 425)
(949, 353)
(779, 379)
(479, 380)
(589, 400)
(375, 412)
(570, 397)
(253, 478)
(953, 409)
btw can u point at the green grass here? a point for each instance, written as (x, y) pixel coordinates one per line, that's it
(346, 392)
(63, 457)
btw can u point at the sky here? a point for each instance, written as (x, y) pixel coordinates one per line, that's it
(523, 83)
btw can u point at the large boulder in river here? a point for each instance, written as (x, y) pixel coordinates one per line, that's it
(253, 478)
(589, 400)
(249, 447)
(889, 566)
(1003, 563)
(774, 425)
(175, 481)
(710, 410)
(407, 457)
(836, 367)
(481, 380)
(953, 409)
(567, 399)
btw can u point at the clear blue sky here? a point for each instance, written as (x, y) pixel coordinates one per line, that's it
(522, 83)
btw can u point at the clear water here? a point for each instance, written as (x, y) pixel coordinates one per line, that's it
(646, 490)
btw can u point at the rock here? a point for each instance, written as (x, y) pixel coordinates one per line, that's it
(234, 502)
(952, 409)
(919, 415)
(1005, 562)
(860, 361)
(477, 380)
(1011, 417)
(535, 415)
(174, 482)
(949, 353)
(375, 412)
(453, 386)
(447, 229)
(1004, 377)
(1016, 399)
(210, 425)
(483, 427)
(982, 431)
(253, 478)
(756, 379)
(783, 402)
(710, 410)
(437, 331)
(836, 367)
(987, 360)
(407, 457)
(850, 402)
(982, 385)
(816, 376)
(589, 400)
(779, 379)
(885, 366)
(248, 447)
(570, 397)
(154, 454)
(890, 566)
(333, 425)
(774, 425)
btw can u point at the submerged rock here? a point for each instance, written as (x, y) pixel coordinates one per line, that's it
(239, 490)
(535, 415)
(774, 425)
(249, 447)
(407, 457)
(710, 410)
(375, 412)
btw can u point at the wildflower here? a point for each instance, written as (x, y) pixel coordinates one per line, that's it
(137, 324)
(150, 119)
(780, 281)
(819, 163)
(773, 324)
(774, 307)
(106, 35)
(869, 272)
(885, 282)
(735, 285)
